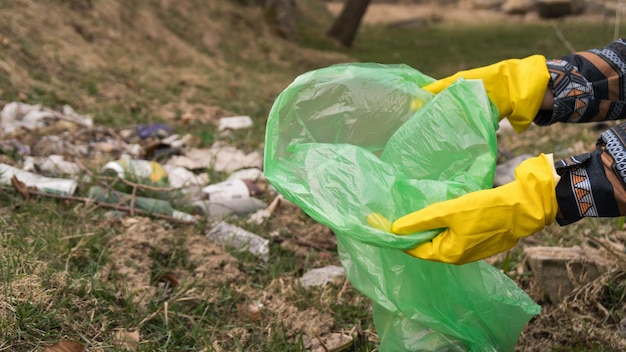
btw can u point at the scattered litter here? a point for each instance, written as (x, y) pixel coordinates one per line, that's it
(227, 190)
(240, 239)
(49, 145)
(505, 127)
(260, 216)
(180, 177)
(159, 130)
(186, 162)
(149, 205)
(14, 147)
(219, 210)
(137, 169)
(42, 183)
(53, 165)
(219, 157)
(176, 140)
(164, 172)
(70, 115)
(15, 115)
(322, 276)
(234, 123)
(247, 174)
(505, 172)
(251, 311)
(331, 342)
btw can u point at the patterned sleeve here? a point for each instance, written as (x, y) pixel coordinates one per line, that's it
(594, 184)
(588, 86)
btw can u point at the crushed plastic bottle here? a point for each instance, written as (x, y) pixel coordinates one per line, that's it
(137, 170)
(240, 239)
(150, 205)
(44, 184)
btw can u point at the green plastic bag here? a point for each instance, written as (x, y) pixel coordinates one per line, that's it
(350, 140)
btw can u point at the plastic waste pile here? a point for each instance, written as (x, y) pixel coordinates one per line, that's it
(144, 169)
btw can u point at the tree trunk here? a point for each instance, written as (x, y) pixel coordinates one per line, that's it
(347, 24)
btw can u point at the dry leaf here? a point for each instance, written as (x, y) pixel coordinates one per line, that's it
(20, 187)
(64, 346)
(170, 279)
(128, 340)
(250, 311)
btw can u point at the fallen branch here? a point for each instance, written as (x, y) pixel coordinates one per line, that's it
(102, 204)
(299, 241)
(138, 185)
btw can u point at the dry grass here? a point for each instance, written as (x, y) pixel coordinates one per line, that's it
(67, 272)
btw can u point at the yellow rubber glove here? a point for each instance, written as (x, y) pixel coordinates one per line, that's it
(515, 86)
(483, 223)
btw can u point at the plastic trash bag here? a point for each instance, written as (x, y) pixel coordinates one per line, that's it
(350, 140)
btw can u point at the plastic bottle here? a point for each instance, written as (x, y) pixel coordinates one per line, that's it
(150, 205)
(138, 170)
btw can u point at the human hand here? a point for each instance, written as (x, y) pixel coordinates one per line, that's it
(516, 86)
(483, 223)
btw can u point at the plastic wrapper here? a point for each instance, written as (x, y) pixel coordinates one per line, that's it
(350, 140)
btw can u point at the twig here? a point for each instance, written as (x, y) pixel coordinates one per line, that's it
(104, 205)
(165, 313)
(77, 236)
(343, 289)
(602, 309)
(138, 185)
(83, 168)
(302, 242)
(605, 246)
(132, 199)
(319, 338)
(149, 317)
(562, 38)
(62, 116)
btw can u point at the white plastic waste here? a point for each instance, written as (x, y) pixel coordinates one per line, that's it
(180, 177)
(52, 165)
(227, 190)
(240, 239)
(322, 276)
(17, 114)
(235, 123)
(42, 183)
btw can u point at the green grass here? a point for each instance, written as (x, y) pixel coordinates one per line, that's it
(442, 49)
(53, 254)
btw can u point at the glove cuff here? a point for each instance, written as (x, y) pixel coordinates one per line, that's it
(528, 81)
(538, 177)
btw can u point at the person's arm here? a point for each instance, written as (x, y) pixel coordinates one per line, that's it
(586, 86)
(483, 223)
(515, 86)
(547, 104)
(594, 184)
(583, 87)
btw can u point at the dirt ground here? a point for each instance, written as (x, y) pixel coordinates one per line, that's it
(589, 317)
(435, 11)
